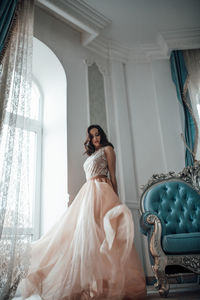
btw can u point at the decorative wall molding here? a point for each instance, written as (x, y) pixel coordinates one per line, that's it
(110, 49)
(145, 52)
(96, 90)
(90, 61)
(188, 38)
(90, 23)
(88, 13)
(79, 15)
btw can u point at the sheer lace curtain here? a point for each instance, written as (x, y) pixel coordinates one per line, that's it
(192, 60)
(15, 91)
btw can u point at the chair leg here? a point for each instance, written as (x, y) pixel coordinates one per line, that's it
(161, 284)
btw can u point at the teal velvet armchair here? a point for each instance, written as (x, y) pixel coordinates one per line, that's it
(170, 218)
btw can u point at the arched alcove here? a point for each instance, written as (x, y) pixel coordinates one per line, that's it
(49, 75)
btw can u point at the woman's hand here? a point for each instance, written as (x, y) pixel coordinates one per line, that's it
(111, 159)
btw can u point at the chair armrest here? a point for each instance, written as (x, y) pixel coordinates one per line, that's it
(156, 235)
(146, 224)
(152, 225)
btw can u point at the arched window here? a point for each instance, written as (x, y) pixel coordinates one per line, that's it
(52, 188)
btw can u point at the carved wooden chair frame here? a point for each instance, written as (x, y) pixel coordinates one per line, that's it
(191, 176)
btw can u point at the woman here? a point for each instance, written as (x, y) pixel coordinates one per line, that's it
(89, 253)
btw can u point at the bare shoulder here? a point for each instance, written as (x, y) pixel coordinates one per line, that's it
(109, 150)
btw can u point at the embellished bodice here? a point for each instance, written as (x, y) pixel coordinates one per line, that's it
(96, 164)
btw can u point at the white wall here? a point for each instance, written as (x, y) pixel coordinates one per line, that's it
(155, 123)
(142, 112)
(155, 119)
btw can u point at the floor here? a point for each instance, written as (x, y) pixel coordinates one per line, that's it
(153, 295)
(177, 295)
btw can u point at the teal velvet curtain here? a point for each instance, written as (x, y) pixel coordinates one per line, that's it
(179, 76)
(7, 12)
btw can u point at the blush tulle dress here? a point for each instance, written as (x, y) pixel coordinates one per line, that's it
(89, 253)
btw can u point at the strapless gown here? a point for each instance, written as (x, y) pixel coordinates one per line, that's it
(89, 253)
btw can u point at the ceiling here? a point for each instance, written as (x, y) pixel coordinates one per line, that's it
(136, 21)
(131, 28)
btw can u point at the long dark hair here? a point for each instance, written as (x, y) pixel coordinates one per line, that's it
(89, 147)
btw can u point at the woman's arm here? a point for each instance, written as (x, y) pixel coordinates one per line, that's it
(111, 159)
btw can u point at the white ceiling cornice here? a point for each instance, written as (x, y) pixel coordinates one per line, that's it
(144, 52)
(87, 12)
(79, 15)
(187, 38)
(90, 23)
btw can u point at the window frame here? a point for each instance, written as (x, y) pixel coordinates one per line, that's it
(38, 126)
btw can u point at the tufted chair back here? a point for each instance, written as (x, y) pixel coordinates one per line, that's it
(177, 205)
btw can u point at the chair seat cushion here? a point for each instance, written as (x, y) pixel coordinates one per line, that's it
(182, 243)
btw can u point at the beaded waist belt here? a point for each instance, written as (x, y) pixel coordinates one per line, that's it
(98, 176)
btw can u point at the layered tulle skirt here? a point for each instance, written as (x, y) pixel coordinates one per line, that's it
(89, 253)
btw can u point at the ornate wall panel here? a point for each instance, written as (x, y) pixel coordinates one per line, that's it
(97, 107)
